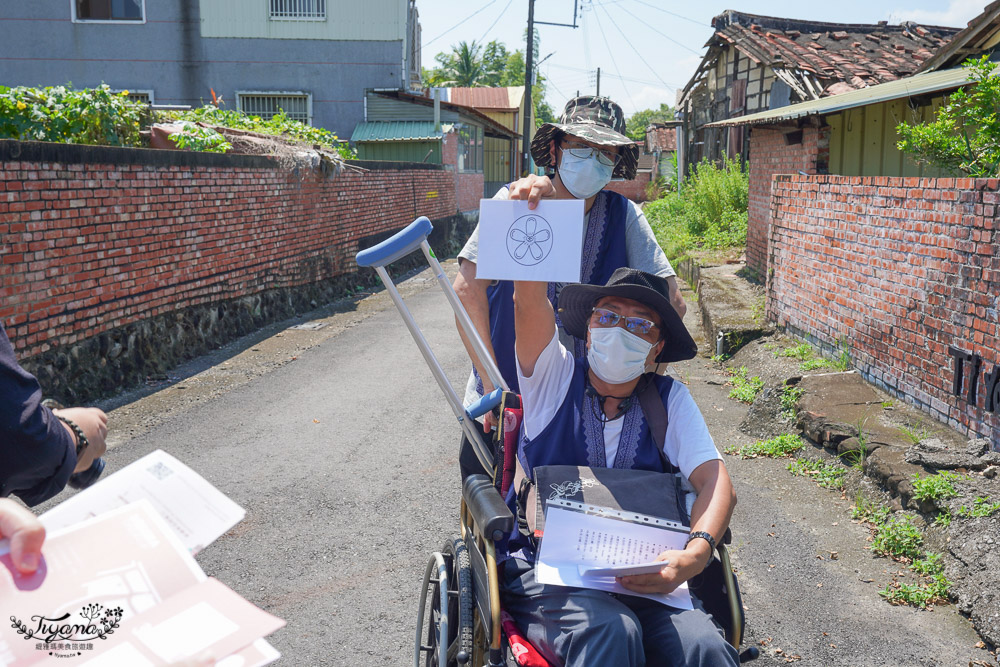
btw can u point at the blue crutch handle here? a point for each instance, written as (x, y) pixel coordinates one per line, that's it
(484, 404)
(400, 244)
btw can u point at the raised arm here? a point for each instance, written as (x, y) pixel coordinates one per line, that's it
(534, 323)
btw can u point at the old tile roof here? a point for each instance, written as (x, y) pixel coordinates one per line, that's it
(979, 37)
(661, 137)
(818, 59)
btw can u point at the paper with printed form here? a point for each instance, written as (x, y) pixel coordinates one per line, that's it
(197, 511)
(517, 243)
(577, 540)
(111, 588)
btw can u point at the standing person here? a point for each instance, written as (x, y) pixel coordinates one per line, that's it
(586, 411)
(40, 448)
(586, 148)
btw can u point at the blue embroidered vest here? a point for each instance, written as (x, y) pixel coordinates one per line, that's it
(604, 251)
(575, 436)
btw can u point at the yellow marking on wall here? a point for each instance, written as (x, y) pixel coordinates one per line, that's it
(431, 195)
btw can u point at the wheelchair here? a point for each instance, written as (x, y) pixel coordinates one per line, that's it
(459, 619)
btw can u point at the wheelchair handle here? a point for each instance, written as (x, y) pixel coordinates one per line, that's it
(400, 244)
(484, 404)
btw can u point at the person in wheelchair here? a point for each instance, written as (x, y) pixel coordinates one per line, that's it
(586, 411)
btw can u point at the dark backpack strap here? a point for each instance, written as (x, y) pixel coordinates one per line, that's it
(657, 420)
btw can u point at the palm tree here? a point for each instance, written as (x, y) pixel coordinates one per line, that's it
(463, 67)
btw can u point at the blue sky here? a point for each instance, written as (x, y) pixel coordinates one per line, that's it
(646, 49)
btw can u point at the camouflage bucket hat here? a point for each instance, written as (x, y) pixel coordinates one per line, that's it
(594, 119)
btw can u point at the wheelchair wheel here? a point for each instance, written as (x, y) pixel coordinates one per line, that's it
(454, 572)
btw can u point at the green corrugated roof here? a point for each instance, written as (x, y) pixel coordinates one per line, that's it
(398, 130)
(918, 84)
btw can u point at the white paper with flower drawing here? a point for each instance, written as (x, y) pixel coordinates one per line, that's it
(544, 244)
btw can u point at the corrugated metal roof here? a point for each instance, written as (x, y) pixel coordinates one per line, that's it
(398, 130)
(920, 84)
(481, 98)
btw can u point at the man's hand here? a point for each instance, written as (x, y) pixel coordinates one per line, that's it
(94, 424)
(532, 187)
(26, 534)
(682, 565)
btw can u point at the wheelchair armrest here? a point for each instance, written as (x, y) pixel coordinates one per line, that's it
(728, 537)
(488, 509)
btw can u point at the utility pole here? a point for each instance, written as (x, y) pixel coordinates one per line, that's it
(598, 82)
(528, 72)
(529, 75)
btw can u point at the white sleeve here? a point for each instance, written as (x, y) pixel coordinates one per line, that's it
(688, 443)
(544, 392)
(644, 253)
(470, 250)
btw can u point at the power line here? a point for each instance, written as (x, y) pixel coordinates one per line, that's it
(648, 25)
(623, 78)
(426, 44)
(495, 22)
(613, 62)
(639, 55)
(666, 11)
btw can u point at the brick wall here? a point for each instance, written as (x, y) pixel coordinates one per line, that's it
(634, 189)
(900, 270)
(771, 154)
(468, 185)
(94, 239)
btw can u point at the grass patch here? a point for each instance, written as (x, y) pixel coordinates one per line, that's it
(938, 486)
(790, 396)
(827, 475)
(981, 507)
(817, 362)
(913, 434)
(898, 538)
(783, 445)
(933, 591)
(802, 351)
(869, 512)
(745, 388)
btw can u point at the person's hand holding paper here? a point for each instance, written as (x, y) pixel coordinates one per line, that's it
(517, 243)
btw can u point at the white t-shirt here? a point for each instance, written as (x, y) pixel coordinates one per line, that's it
(688, 443)
(641, 249)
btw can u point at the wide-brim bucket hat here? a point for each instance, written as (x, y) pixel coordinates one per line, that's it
(597, 120)
(576, 303)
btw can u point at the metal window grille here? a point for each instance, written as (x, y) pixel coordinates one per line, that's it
(145, 96)
(267, 105)
(314, 10)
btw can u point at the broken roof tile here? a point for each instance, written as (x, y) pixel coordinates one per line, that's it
(854, 54)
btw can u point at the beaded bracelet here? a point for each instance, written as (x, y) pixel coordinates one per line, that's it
(81, 440)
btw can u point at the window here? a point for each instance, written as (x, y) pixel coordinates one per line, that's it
(298, 106)
(145, 96)
(109, 10)
(301, 10)
(470, 148)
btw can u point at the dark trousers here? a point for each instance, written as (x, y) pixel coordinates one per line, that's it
(468, 462)
(581, 627)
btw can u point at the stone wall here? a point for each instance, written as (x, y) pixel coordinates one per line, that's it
(903, 274)
(777, 151)
(119, 263)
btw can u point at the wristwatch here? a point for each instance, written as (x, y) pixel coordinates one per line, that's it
(705, 536)
(81, 440)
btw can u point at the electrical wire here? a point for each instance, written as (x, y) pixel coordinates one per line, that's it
(496, 21)
(667, 11)
(623, 78)
(632, 46)
(662, 34)
(426, 44)
(613, 61)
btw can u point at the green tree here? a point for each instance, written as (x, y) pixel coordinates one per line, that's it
(495, 59)
(965, 134)
(636, 124)
(462, 68)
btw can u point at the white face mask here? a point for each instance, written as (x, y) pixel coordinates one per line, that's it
(583, 177)
(617, 356)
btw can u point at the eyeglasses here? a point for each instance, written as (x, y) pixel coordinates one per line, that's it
(608, 318)
(606, 157)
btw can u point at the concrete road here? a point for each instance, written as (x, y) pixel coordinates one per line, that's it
(340, 447)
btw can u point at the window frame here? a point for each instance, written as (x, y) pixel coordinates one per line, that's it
(77, 19)
(277, 93)
(472, 139)
(312, 19)
(148, 92)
